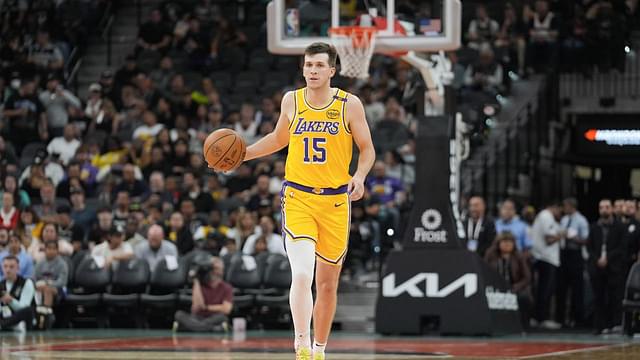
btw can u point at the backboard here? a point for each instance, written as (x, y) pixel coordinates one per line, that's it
(430, 25)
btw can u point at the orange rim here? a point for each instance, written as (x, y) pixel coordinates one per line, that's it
(356, 33)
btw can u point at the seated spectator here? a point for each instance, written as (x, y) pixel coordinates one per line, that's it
(486, 74)
(25, 116)
(121, 211)
(155, 248)
(114, 250)
(16, 296)
(51, 278)
(158, 163)
(48, 203)
(510, 44)
(213, 225)
(179, 234)
(277, 177)
(150, 127)
(397, 168)
(203, 201)
(73, 179)
(503, 256)
(20, 197)
(132, 232)
(9, 214)
(260, 193)
(56, 99)
(80, 213)
(65, 145)
(482, 29)
(274, 242)
(211, 303)
(49, 233)
(29, 226)
(153, 34)
(100, 231)
(180, 159)
(543, 34)
(389, 190)
(45, 55)
(244, 228)
(68, 230)
(247, 127)
(364, 237)
(136, 188)
(607, 28)
(15, 249)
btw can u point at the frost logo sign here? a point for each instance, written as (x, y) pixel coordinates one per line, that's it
(431, 220)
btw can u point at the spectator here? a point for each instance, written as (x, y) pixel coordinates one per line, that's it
(56, 99)
(121, 209)
(191, 189)
(179, 234)
(153, 34)
(632, 231)
(242, 181)
(45, 55)
(46, 208)
(9, 214)
(66, 145)
(25, 116)
(17, 297)
(486, 74)
(150, 127)
(211, 303)
(15, 249)
(82, 216)
(180, 159)
(10, 185)
(389, 190)
(618, 209)
(29, 225)
(606, 268)
(162, 77)
(277, 177)
(481, 230)
(53, 171)
(115, 249)
(100, 231)
(397, 168)
(364, 238)
(158, 163)
(156, 248)
(508, 221)
(247, 127)
(607, 29)
(132, 232)
(159, 194)
(504, 257)
(68, 230)
(136, 188)
(274, 242)
(125, 74)
(73, 179)
(51, 277)
(213, 225)
(482, 30)
(543, 34)
(510, 43)
(244, 228)
(4, 239)
(261, 193)
(571, 269)
(546, 234)
(49, 233)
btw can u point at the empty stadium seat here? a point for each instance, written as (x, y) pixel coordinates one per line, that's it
(90, 281)
(129, 280)
(164, 286)
(244, 279)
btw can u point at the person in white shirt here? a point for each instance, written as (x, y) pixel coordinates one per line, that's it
(546, 233)
(149, 129)
(247, 127)
(115, 250)
(275, 244)
(66, 145)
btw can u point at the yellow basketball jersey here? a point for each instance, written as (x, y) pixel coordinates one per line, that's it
(320, 143)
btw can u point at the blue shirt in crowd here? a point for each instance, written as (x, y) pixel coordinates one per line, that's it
(519, 229)
(24, 261)
(579, 226)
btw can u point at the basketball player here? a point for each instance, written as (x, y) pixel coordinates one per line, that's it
(320, 124)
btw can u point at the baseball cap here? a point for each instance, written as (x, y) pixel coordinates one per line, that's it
(95, 87)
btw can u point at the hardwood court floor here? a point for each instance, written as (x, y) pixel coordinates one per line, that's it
(163, 345)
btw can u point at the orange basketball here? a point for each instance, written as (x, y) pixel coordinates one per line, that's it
(224, 150)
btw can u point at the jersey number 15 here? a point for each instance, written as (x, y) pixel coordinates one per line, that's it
(314, 150)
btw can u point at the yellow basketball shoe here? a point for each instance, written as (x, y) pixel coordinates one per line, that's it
(318, 356)
(303, 353)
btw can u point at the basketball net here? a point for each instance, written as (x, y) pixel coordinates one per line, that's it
(355, 45)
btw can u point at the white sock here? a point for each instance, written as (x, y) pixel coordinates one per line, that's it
(318, 348)
(302, 256)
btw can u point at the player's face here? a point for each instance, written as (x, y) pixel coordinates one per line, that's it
(317, 71)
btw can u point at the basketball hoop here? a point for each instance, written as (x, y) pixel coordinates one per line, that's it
(355, 45)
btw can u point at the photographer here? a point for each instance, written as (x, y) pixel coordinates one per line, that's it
(211, 301)
(16, 297)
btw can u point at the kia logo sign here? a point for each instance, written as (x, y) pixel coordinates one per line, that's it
(431, 288)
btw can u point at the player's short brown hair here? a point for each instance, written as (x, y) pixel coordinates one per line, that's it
(321, 48)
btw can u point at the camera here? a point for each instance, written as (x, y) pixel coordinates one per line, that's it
(201, 270)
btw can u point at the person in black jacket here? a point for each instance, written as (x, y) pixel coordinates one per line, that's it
(607, 255)
(480, 229)
(179, 234)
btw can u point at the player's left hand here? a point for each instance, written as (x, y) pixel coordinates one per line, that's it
(355, 188)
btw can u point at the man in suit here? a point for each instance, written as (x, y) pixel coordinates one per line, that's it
(607, 255)
(481, 230)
